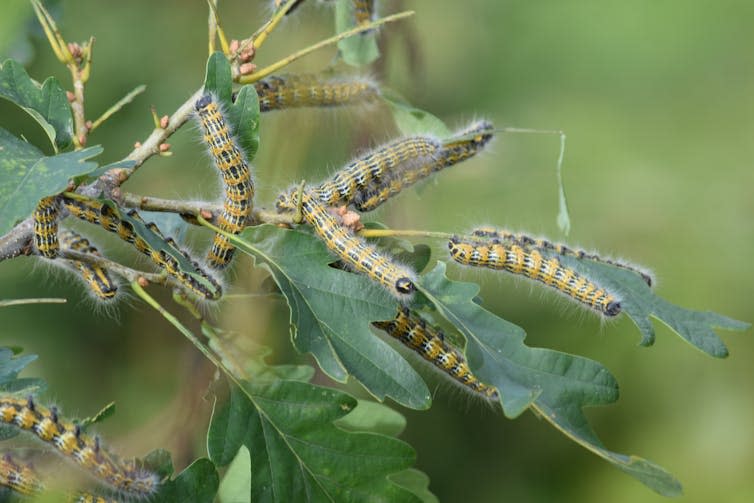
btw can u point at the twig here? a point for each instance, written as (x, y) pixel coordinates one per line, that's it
(119, 269)
(125, 100)
(382, 233)
(20, 302)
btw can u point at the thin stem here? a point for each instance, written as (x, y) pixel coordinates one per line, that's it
(381, 233)
(119, 269)
(20, 302)
(264, 72)
(125, 100)
(258, 39)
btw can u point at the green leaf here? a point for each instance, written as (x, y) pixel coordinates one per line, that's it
(47, 104)
(413, 121)
(160, 462)
(26, 176)
(107, 411)
(374, 417)
(555, 384)
(331, 311)
(298, 454)
(639, 302)
(236, 484)
(360, 49)
(417, 482)
(198, 483)
(243, 114)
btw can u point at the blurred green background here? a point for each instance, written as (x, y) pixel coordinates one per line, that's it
(657, 100)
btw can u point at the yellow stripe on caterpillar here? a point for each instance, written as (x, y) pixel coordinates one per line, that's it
(307, 90)
(230, 160)
(530, 263)
(173, 259)
(46, 227)
(74, 445)
(20, 479)
(430, 343)
(97, 278)
(558, 248)
(352, 250)
(363, 11)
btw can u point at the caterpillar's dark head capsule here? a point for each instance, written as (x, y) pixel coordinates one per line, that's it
(405, 285)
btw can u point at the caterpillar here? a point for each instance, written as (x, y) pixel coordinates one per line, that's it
(148, 240)
(353, 250)
(239, 189)
(363, 11)
(46, 227)
(91, 498)
(293, 91)
(462, 146)
(352, 183)
(85, 451)
(430, 343)
(558, 248)
(97, 278)
(529, 262)
(20, 479)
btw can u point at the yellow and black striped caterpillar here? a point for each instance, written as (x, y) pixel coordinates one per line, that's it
(237, 183)
(430, 343)
(85, 451)
(98, 279)
(363, 11)
(558, 248)
(352, 250)
(147, 239)
(294, 91)
(46, 227)
(368, 182)
(530, 263)
(462, 146)
(20, 479)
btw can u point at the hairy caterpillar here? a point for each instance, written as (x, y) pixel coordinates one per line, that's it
(351, 249)
(91, 498)
(85, 451)
(363, 11)
(530, 263)
(231, 161)
(20, 479)
(293, 91)
(462, 146)
(558, 248)
(46, 227)
(350, 184)
(97, 278)
(430, 343)
(148, 240)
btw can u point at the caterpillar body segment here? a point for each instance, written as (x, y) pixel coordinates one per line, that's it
(352, 250)
(307, 90)
(148, 240)
(46, 227)
(557, 248)
(429, 342)
(363, 11)
(98, 279)
(18, 478)
(230, 160)
(73, 444)
(91, 498)
(530, 263)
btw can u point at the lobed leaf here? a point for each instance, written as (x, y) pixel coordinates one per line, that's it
(47, 104)
(414, 121)
(297, 452)
(360, 49)
(639, 302)
(198, 483)
(555, 384)
(235, 487)
(331, 311)
(26, 176)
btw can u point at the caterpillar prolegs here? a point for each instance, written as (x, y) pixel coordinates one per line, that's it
(430, 343)
(530, 263)
(230, 160)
